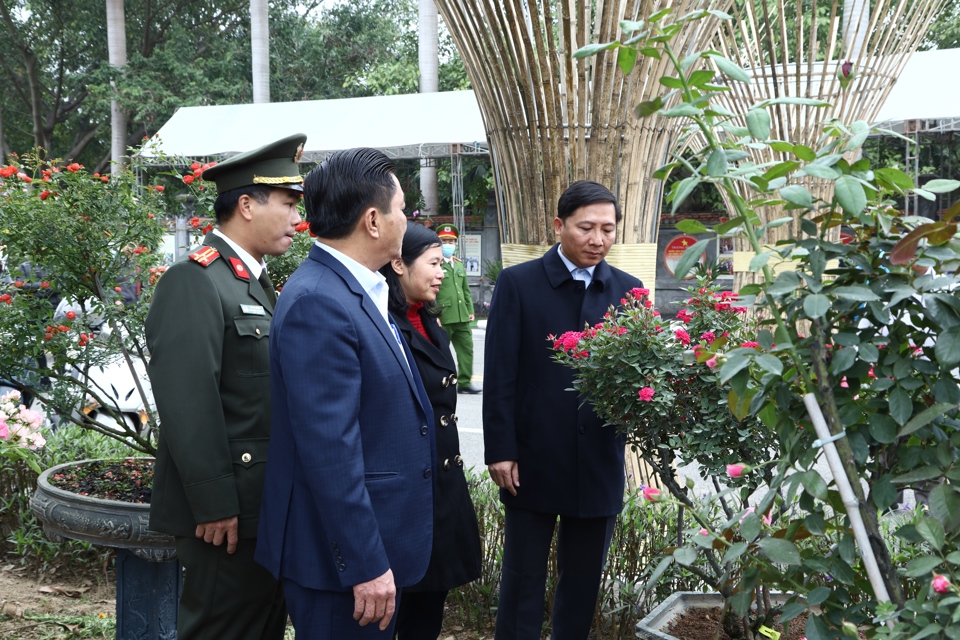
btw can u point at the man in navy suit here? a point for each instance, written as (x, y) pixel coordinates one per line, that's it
(546, 449)
(347, 515)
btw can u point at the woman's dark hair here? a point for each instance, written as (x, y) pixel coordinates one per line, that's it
(416, 240)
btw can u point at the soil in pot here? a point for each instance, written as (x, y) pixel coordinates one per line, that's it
(128, 480)
(706, 624)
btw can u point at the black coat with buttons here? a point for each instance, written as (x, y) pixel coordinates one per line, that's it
(455, 559)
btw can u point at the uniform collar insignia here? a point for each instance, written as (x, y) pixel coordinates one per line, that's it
(239, 269)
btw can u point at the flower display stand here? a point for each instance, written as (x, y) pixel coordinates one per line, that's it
(149, 577)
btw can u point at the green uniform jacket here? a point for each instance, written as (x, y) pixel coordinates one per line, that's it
(208, 333)
(454, 299)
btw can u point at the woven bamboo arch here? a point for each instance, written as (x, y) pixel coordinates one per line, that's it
(789, 53)
(552, 119)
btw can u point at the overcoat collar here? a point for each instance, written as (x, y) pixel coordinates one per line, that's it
(557, 272)
(253, 286)
(433, 352)
(370, 308)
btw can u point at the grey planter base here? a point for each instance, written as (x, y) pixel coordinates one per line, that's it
(653, 626)
(149, 577)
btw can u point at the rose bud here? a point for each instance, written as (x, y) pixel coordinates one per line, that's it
(737, 470)
(940, 584)
(845, 74)
(652, 494)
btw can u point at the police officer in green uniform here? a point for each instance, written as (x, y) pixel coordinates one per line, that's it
(208, 332)
(456, 307)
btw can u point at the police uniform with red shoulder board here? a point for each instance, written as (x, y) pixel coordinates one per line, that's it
(208, 332)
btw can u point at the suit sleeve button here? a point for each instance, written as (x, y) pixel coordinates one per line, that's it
(459, 460)
(246, 457)
(424, 431)
(444, 421)
(341, 567)
(427, 473)
(446, 465)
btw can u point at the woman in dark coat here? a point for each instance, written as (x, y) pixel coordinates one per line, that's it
(414, 282)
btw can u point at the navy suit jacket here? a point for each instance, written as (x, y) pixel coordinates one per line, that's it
(349, 482)
(569, 462)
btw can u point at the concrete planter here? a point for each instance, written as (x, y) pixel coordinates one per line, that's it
(149, 578)
(654, 625)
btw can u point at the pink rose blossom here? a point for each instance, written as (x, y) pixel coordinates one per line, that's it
(736, 470)
(712, 362)
(940, 584)
(652, 494)
(704, 532)
(708, 336)
(646, 394)
(682, 336)
(750, 345)
(4, 431)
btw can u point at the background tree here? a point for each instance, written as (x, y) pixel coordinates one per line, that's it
(117, 45)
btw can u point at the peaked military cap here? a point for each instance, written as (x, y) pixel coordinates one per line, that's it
(448, 231)
(274, 165)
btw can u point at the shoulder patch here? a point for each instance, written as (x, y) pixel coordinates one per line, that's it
(205, 256)
(239, 269)
(456, 259)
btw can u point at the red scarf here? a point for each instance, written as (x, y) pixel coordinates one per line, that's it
(413, 315)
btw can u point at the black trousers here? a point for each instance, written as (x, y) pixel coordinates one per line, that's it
(582, 545)
(420, 617)
(227, 595)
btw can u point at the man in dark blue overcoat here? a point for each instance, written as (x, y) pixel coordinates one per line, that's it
(549, 453)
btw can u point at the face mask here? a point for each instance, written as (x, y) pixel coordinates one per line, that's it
(449, 250)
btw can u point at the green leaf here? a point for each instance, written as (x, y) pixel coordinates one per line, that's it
(804, 153)
(893, 180)
(591, 49)
(818, 596)
(758, 122)
(816, 305)
(780, 550)
(734, 551)
(842, 360)
(733, 366)
(671, 83)
(919, 567)
(901, 406)
(770, 363)
(927, 472)
(730, 69)
(883, 428)
(660, 570)
(780, 169)
(629, 26)
(757, 261)
(685, 556)
(750, 527)
(822, 171)
(945, 506)
(626, 59)
(850, 194)
(932, 531)
(795, 194)
(691, 226)
(782, 147)
(941, 186)
(809, 102)
(856, 292)
(648, 107)
(814, 484)
(925, 417)
(947, 350)
(690, 257)
(926, 195)
(700, 77)
(717, 163)
(684, 109)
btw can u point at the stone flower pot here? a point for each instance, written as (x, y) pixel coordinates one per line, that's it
(654, 625)
(148, 574)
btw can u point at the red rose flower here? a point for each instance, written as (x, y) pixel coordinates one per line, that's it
(8, 171)
(159, 188)
(45, 194)
(71, 315)
(207, 229)
(682, 336)
(74, 167)
(195, 166)
(195, 222)
(187, 179)
(6, 298)
(303, 226)
(44, 285)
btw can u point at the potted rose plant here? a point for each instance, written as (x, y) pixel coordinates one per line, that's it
(856, 360)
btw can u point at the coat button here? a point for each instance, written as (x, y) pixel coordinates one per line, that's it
(424, 431)
(427, 473)
(458, 460)
(453, 418)
(341, 567)
(581, 429)
(445, 381)
(444, 421)
(246, 457)
(258, 330)
(453, 379)
(446, 465)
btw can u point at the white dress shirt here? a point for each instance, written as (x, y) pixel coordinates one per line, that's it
(578, 273)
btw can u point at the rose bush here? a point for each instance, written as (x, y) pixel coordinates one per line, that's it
(856, 358)
(20, 434)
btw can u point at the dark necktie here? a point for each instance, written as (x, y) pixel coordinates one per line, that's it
(267, 285)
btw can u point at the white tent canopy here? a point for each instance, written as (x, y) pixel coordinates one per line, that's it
(418, 125)
(924, 91)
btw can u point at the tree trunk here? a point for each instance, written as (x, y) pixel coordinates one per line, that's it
(260, 46)
(117, 48)
(429, 83)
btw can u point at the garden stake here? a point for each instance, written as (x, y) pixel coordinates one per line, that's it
(849, 501)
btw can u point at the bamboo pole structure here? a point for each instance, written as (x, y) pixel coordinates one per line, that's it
(552, 119)
(795, 49)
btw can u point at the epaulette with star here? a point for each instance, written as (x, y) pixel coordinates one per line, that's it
(205, 256)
